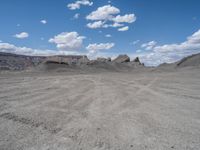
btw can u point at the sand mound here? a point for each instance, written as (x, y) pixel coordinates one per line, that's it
(193, 60)
(190, 61)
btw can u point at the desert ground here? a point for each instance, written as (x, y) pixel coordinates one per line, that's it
(139, 110)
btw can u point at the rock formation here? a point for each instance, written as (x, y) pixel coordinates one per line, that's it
(10, 61)
(122, 59)
(100, 59)
(70, 59)
(21, 62)
(137, 62)
(136, 59)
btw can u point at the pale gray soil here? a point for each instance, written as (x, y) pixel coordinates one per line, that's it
(149, 110)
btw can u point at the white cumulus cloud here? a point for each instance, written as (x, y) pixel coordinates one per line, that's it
(10, 48)
(128, 18)
(96, 24)
(117, 25)
(68, 41)
(149, 46)
(103, 13)
(126, 28)
(22, 35)
(110, 17)
(76, 16)
(92, 48)
(77, 4)
(171, 52)
(138, 51)
(135, 42)
(108, 35)
(43, 21)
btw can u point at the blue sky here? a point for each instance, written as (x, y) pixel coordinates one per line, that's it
(157, 31)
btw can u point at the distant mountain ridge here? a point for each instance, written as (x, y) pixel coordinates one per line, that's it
(189, 61)
(9, 61)
(193, 60)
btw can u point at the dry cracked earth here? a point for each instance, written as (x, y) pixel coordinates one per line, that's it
(150, 110)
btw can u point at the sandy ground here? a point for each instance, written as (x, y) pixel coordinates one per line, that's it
(104, 111)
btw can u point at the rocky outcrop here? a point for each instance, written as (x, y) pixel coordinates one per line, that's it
(10, 61)
(83, 60)
(21, 62)
(69, 60)
(122, 59)
(56, 60)
(136, 61)
(101, 59)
